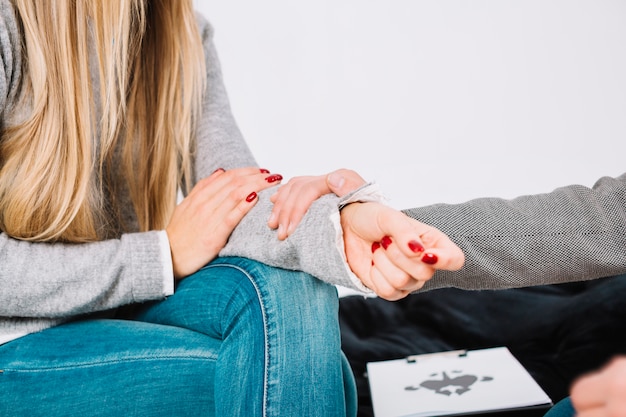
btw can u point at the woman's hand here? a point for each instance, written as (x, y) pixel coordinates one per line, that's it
(391, 253)
(293, 199)
(602, 393)
(203, 221)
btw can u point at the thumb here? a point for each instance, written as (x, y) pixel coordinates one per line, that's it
(344, 181)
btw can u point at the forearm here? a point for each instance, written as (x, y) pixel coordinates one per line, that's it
(315, 247)
(65, 280)
(573, 233)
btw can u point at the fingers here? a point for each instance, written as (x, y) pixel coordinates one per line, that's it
(387, 280)
(409, 241)
(344, 181)
(203, 221)
(292, 201)
(233, 185)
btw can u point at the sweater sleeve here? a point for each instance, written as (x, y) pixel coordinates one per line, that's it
(64, 280)
(219, 142)
(573, 233)
(316, 247)
(10, 67)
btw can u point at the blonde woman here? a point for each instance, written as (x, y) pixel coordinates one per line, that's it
(113, 300)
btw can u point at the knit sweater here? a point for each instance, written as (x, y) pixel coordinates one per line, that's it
(45, 284)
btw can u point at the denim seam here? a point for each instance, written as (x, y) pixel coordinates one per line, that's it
(104, 363)
(265, 325)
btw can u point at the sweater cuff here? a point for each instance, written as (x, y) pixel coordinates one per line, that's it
(168, 268)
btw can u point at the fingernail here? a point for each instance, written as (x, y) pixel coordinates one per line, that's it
(264, 171)
(281, 230)
(415, 246)
(251, 197)
(336, 180)
(375, 246)
(219, 169)
(385, 242)
(274, 178)
(430, 258)
(272, 218)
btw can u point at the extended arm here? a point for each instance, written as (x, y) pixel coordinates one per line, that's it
(573, 233)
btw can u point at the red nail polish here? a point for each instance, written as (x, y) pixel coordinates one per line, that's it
(274, 178)
(415, 246)
(385, 242)
(264, 171)
(375, 246)
(219, 169)
(429, 259)
(251, 197)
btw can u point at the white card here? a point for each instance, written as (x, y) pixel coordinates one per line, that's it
(449, 383)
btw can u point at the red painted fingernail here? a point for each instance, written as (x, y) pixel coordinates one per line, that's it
(375, 246)
(251, 197)
(429, 259)
(415, 246)
(372, 262)
(264, 171)
(274, 178)
(385, 242)
(219, 169)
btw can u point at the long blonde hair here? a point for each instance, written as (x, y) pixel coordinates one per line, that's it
(150, 70)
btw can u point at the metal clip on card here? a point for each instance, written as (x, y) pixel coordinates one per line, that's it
(426, 356)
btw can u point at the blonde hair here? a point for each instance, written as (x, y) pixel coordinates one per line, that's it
(150, 70)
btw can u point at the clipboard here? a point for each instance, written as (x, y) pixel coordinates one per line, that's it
(453, 383)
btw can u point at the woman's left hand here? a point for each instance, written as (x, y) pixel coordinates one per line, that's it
(293, 199)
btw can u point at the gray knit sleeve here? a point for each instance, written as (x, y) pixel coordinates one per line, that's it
(316, 246)
(573, 233)
(219, 142)
(11, 65)
(64, 280)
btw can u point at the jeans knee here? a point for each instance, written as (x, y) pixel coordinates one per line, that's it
(293, 300)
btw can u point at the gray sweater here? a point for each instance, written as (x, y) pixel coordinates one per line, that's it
(44, 284)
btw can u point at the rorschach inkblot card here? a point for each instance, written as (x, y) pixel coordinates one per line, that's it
(453, 383)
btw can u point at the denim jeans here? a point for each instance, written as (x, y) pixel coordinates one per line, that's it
(238, 338)
(562, 409)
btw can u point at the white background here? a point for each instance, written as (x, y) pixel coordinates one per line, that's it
(437, 100)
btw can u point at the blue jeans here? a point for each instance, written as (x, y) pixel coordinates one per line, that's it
(238, 338)
(562, 409)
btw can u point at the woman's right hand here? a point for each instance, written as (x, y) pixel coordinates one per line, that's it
(393, 254)
(203, 221)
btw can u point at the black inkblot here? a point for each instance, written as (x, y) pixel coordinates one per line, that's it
(447, 386)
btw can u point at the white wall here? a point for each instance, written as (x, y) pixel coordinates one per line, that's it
(437, 100)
